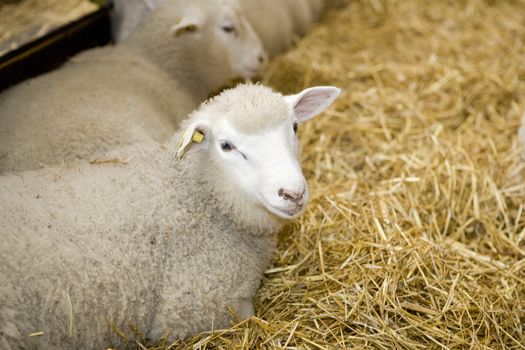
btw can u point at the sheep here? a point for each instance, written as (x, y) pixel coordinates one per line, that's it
(138, 90)
(277, 22)
(163, 242)
(224, 26)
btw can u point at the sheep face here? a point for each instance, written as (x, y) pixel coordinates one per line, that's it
(250, 136)
(265, 165)
(222, 21)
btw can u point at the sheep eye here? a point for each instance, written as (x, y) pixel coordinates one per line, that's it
(228, 29)
(226, 146)
(295, 127)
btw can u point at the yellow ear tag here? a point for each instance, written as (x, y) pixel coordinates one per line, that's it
(197, 137)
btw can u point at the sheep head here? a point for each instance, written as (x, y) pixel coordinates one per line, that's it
(222, 21)
(249, 137)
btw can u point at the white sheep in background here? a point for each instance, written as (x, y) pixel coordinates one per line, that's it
(160, 244)
(277, 22)
(138, 90)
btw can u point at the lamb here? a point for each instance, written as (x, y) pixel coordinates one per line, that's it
(137, 91)
(165, 241)
(218, 26)
(278, 22)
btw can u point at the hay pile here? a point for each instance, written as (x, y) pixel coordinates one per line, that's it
(415, 235)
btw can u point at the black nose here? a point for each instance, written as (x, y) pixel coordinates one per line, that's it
(261, 58)
(291, 195)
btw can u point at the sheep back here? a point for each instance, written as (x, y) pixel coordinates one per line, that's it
(101, 99)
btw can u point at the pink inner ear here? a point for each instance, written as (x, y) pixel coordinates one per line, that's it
(309, 104)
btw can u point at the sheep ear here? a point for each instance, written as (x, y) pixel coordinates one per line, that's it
(193, 139)
(312, 101)
(190, 23)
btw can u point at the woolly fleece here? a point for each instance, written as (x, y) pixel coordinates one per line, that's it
(101, 99)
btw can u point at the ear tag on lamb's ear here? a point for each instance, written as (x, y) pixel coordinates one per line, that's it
(197, 137)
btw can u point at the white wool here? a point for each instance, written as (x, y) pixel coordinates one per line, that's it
(102, 99)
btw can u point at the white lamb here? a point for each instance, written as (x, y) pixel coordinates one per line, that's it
(138, 90)
(277, 22)
(203, 43)
(156, 244)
